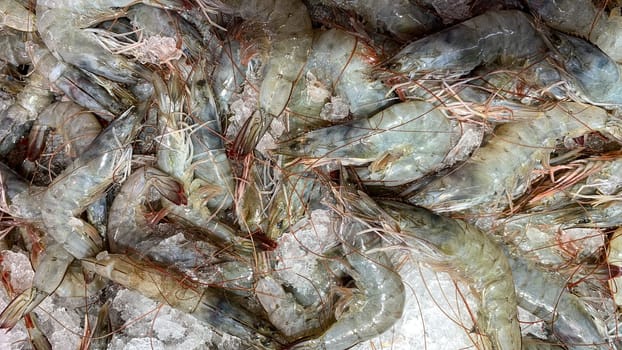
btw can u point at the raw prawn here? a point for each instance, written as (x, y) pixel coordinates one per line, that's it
(377, 304)
(584, 19)
(403, 19)
(106, 101)
(459, 248)
(339, 66)
(206, 304)
(590, 74)
(83, 182)
(397, 145)
(212, 172)
(61, 22)
(77, 127)
(505, 36)
(127, 224)
(501, 169)
(545, 295)
(288, 27)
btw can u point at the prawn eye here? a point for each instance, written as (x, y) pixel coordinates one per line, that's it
(395, 66)
(280, 224)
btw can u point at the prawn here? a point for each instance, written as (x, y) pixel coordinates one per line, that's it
(77, 127)
(584, 19)
(288, 26)
(589, 72)
(84, 89)
(61, 25)
(402, 19)
(390, 148)
(127, 224)
(507, 36)
(380, 297)
(83, 182)
(458, 248)
(501, 169)
(338, 65)
(206, 304)
(212, 172)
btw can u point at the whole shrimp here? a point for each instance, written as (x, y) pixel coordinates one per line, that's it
(339, 65)
(462, 250)
(61, 24)
(391, 148)
(127, 224)
(377, 304)
(591, 74)
(77, 127)
(402, 19)
(174, 155)
(206, 304)
(83, 182)
(212, 171)
(501, 169)
(505, 36)
(288, 28)
(85, 90)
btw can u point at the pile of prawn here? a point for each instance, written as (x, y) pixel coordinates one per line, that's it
(182, 149)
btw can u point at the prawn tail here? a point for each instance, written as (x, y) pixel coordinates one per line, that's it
(37, 339)
(168, 187)
(20, 306)
(251, 132)
(102, 330)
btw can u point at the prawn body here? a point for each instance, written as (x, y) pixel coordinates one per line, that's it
(206, 304)
(391, 148)
(505, 36)
(458, 248)
(83, 182)
(501, 169)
